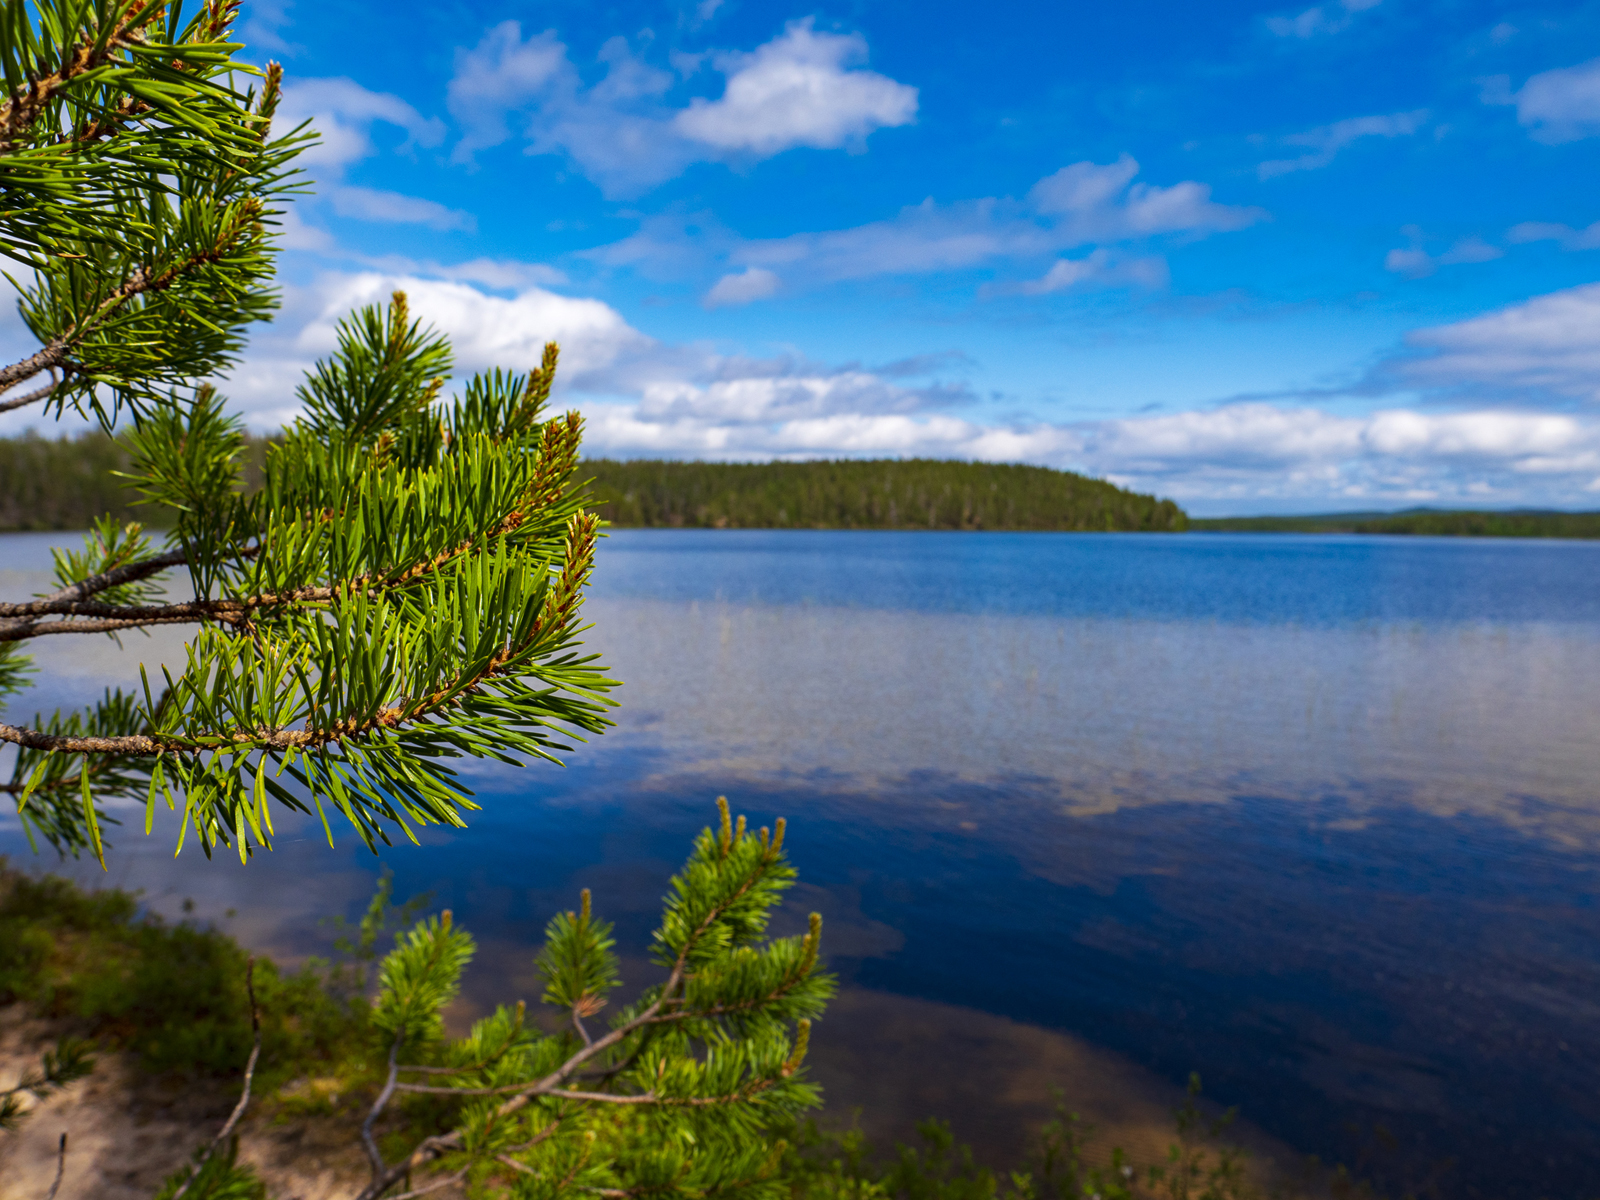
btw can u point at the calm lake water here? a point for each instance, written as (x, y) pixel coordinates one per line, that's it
(1317, 817)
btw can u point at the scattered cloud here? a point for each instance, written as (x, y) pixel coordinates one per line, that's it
(1100, 269)
(753, 283)
(1319, 21)
(1414, 262)
(1543, 231)
(498, 77)
(802, 89)
(643, 397)
(1542, 350)
(798, 90)
(1084, 204)
(1324, 142)
(1562, 105)
(369, 204)
(343, 113)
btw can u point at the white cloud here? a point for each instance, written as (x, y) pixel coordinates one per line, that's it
(1543, 231)
(1544, 348)
(1323, 19)
(499, 76)
(369, 204)
(343, 113)
(642, 397)
(487, 331)
(1325, 142)
(753, 283)
(1561, 105)
(803, 88)
(1259, 453)
(1083, 204)
(1100, 268)
(798, 90)
(1414, 262)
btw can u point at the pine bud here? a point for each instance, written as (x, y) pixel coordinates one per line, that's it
(801, 1041)
(583, 914)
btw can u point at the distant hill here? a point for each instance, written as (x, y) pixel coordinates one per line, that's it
(1432, 522)
(872, 494)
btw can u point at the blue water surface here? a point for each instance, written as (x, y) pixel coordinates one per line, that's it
(1317, 817)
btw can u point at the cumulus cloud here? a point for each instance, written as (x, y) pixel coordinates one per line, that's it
(1258, 453)
(1415, 262)
(1321, 20)
(798, 90)
(803, 88)
(486, 330)
(643, 397)
(369, 204)
(343, 113)
(1082, 204)
(1562, 105)
(1542, 350)
(1324, 143)
(753, 283)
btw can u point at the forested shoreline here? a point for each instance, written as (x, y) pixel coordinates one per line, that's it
(65, 483)
(916, 493)
(1421, 522)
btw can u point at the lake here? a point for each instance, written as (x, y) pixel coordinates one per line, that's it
(1316, 817)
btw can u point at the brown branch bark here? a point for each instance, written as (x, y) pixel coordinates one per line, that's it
(27, 398)
(27, 103)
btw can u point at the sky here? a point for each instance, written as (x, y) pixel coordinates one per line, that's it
(1254, 258)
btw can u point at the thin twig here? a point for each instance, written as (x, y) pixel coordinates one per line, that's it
(28, 398)
(244, 1095)
(368, 1138)
(434, 1186)
(61, 1168)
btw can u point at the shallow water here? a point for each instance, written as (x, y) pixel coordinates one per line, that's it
(1317, 817)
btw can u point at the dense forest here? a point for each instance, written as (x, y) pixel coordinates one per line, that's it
(64, 484)
(1432, 522)
(875, 494)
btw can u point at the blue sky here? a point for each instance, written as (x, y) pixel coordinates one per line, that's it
(1253, 257)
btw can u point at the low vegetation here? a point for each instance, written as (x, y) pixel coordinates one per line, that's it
(1431, 522)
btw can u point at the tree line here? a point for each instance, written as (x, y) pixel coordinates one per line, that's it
(1427, 522)
(915, 493)
(69, 483)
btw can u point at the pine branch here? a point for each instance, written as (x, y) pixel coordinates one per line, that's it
(27, 103)
(551, 1086)
(34, 396)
